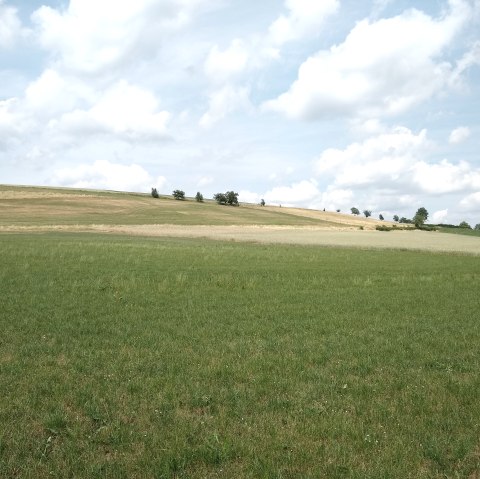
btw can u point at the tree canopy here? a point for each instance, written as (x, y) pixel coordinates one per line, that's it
(178, 194)
(420, 217)
(355, 211)
(227, 198)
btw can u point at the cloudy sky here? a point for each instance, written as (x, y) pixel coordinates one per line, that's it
(316, 103)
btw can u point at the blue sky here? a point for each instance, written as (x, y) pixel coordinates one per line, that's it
(314, 103)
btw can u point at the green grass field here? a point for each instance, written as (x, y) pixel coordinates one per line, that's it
(173, 358)
(461, 231)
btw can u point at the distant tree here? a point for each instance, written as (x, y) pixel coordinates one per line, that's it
(199, 197)
(262, 202)
(477, 227)
(338, 211)
(420, 217)
(419, 220)
(178, 194)
(464, 224)
(405, 220)
(422, 212)
(396, 218)
(232, 198)
(227, 198)
(367, 213)
(355, 211)
(220, 198)
(154, 192)
(380, 217)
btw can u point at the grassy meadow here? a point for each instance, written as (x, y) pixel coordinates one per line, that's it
(158, 358)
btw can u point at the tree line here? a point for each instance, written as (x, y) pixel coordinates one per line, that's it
(230, 198)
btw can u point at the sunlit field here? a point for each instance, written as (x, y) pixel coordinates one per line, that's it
(127, 357)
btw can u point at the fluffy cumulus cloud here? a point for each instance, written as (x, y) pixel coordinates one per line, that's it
(124, 110)
(439, 216)
(11, 28)
(303, 192)
(379, 69)
(471, 203)
(391, 169)
(103, 174)
(459, 135)
(222, 64)
(303, 18)
(93, 37)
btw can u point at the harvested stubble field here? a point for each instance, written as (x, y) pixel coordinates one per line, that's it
(33, 209)
(126, 356)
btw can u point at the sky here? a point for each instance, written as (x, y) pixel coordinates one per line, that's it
(312, 103)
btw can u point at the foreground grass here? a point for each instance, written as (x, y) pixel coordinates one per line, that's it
(180, 358)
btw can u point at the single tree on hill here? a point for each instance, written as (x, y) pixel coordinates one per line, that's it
(355, 211)
(380, 217)
(199, 197)
(464, 224)
(396, 218)
(154, 192)
(178, 194)
(262, 202)
(420, 217)
(367, 213)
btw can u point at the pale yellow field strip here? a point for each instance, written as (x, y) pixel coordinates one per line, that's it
(417, 240)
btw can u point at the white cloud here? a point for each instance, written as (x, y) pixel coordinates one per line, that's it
(245, 196)
(439, 216)
(471, 203)
(459, 135)
(94, 37)
(103, 174)
(220, 65)
(124, 110)
(384, 158)
(394, 163)
(445, 177)
(301, 192)
(52, 94)
(10, 26)
(304, 18)
(378, 70)
(223, 101)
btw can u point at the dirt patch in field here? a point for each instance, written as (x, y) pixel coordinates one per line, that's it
(301, 235)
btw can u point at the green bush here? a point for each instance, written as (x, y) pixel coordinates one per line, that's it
(178, 194)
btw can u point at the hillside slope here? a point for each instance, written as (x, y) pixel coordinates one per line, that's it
(37, 206)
